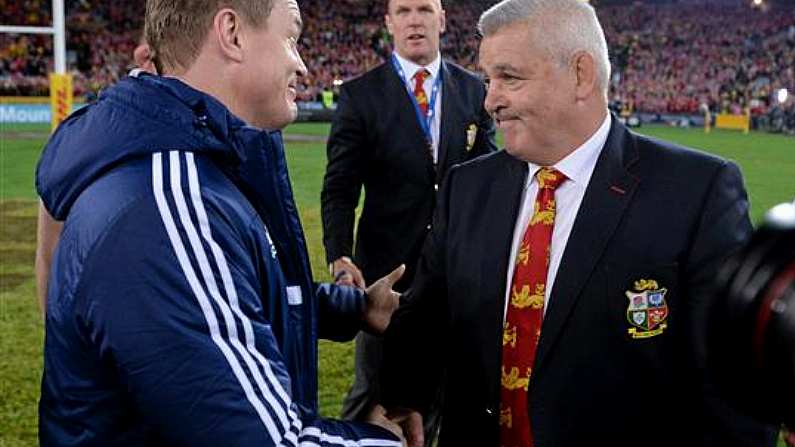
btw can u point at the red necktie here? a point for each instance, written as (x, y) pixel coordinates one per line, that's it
(522, 328)
(419, 90)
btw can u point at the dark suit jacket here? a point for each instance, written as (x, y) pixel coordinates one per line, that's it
(376, 142)
(652, 210)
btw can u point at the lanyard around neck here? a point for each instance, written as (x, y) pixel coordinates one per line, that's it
(425, 122)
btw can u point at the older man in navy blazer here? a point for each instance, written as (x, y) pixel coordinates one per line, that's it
(558, 291)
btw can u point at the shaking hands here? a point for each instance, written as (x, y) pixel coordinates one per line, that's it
(381, 299)
(404, 423)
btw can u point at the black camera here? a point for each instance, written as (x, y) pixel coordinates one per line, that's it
(751, 322)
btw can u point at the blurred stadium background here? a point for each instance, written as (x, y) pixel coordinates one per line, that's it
(672, 61)
(670, 58)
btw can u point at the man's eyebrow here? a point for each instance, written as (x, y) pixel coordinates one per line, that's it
(504, 67)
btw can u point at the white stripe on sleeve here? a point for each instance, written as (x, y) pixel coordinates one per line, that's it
(249, 353)
(204, 303)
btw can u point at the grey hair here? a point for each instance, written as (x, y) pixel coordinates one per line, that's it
(563, 27)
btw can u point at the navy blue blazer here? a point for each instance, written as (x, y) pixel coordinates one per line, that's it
(620, 358)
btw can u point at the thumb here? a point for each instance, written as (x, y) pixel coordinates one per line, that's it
(395, 275)
(378, 410)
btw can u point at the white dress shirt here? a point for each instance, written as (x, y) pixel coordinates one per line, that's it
(409, 69)
(578, 167)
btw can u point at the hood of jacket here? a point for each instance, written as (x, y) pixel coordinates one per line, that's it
(140, 115)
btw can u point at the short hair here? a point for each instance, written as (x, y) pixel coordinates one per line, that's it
(176, 29)
(388, 3)
(568, 26)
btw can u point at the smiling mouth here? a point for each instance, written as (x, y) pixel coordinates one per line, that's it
(502, 121)
(415, 37)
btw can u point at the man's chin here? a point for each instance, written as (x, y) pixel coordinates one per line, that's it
(510, 148)
(419, 54)
(283, 121)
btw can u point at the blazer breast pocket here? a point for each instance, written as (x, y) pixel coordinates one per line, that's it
(645, 301)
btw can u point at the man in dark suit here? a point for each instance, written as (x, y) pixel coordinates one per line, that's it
(397, 130)
(558, 289)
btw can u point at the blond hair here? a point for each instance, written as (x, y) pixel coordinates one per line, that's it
(175, 29)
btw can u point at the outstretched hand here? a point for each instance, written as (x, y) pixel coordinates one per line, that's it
(411, 423)
(377, 416)
(382, 301)
(346, 273)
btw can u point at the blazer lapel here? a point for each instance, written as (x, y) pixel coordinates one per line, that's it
(451, 106)
(606, 199)
(502, 206)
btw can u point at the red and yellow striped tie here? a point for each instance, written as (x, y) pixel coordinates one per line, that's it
(522, 328)
(419, 90)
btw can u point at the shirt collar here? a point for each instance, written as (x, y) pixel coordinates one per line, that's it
(580, 163)
(409, 67)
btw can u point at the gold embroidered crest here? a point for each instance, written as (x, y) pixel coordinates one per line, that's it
(513, 381)
(506, 417)
(509, 335)
(523, 257)
(647, 310)
(545, 216)
(523, 298)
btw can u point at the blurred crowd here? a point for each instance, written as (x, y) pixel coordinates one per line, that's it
(101, 36)
(679, 57)
(348, 37)
(727, 58)
(340, 40)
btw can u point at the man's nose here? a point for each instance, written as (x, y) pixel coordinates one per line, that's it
(301, 70)
(415, 19)
(493, 100)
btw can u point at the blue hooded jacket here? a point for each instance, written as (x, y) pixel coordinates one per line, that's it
(181, 308)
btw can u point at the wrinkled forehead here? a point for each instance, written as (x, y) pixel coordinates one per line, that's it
(509, 48)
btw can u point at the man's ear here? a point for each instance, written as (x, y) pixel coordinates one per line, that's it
(227, 30)
(389, 25)
(584, 67)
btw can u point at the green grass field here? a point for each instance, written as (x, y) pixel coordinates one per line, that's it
(767, 161)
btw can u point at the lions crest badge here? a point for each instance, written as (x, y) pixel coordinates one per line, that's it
(647, 311)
